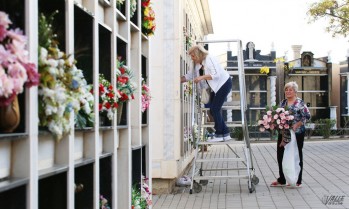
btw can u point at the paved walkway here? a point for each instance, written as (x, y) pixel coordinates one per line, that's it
(325, 175)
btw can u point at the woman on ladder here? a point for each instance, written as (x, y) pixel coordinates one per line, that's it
(220, 82)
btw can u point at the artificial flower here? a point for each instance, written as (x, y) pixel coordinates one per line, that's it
(148, 22)
(145, 97)
(15, 69)
(124, 82)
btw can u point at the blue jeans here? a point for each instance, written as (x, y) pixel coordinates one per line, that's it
(216, 108)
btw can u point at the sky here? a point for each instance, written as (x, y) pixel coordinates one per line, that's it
(282, 22)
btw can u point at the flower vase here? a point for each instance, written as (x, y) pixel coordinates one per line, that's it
(9, 117)
(119, 112)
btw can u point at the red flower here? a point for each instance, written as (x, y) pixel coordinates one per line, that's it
(132, 96)
(107, 105)
(116, 105)
(110, 95)
(100, 106)
(122, 70)
(124, 97)
(101, 88)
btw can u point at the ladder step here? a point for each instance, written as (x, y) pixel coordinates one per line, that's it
(206, 160)
(228, 125)
(220, 143)
(226, 107)
(220, 177)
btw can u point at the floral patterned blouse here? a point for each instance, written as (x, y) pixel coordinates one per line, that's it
(300, 112)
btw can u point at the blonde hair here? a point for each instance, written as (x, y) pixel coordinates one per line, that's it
(198, 51)
(292, 85)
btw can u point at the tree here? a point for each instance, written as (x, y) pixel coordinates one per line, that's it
(337, 13)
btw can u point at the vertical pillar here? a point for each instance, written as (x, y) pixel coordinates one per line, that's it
(347, 104)
(272, 90)
(333, 116)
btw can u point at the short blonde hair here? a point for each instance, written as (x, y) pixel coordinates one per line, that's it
(198, 51)
(292, 85)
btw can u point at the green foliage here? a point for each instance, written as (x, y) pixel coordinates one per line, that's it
(47, 37)
(238, 133)
(337, 13)
(324, 126)
(136, 198)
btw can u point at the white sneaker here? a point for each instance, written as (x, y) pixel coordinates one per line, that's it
(216, 139)
(227, 138)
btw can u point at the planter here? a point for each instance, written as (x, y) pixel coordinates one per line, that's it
(5, 159)
(119, 112)
(46, 152)
(9, 117)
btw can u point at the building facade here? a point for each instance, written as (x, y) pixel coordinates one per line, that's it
(179, 24)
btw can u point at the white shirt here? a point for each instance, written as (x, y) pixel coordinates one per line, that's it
(213, 68)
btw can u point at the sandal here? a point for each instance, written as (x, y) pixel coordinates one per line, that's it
(296, 186)
(277, 184)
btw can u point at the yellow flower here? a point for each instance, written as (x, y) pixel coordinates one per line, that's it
(280, 59)
(264, 70)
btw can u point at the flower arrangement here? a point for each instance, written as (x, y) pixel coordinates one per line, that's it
(141, 197)
(276, 119)
(188, 39)
(108, 99)
(124, 82)
(62, 88)
(145, 97)
(15, 68)
(188, 88)
(103, 203)
(145, 191)
(148, 23)
(264, 70)
(133, 7)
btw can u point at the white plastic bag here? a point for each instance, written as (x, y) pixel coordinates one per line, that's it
(205, 95)
(183, 181)
(290, 161)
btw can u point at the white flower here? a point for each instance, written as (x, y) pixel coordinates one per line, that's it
(53, 63)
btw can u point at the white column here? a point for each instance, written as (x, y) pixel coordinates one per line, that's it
(333, 116)
(272, 90)
(347, 107)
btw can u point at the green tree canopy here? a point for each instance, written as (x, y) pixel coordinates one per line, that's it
(335, 11)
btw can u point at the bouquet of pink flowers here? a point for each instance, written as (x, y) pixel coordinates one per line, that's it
(16, 70)
(276, 119)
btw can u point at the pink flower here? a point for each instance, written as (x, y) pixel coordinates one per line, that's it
(33, 75)
(276, 116)
(269, 112)
(261, 129)
(286, 126)
(4, 20)
(3, 32)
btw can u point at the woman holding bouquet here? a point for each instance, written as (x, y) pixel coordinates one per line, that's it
(299, 110)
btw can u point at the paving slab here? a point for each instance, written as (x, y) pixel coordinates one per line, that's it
(325, 180)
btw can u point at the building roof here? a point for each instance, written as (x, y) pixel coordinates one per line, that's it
(205, 16)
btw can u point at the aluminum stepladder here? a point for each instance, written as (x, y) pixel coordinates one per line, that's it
(202, 124)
